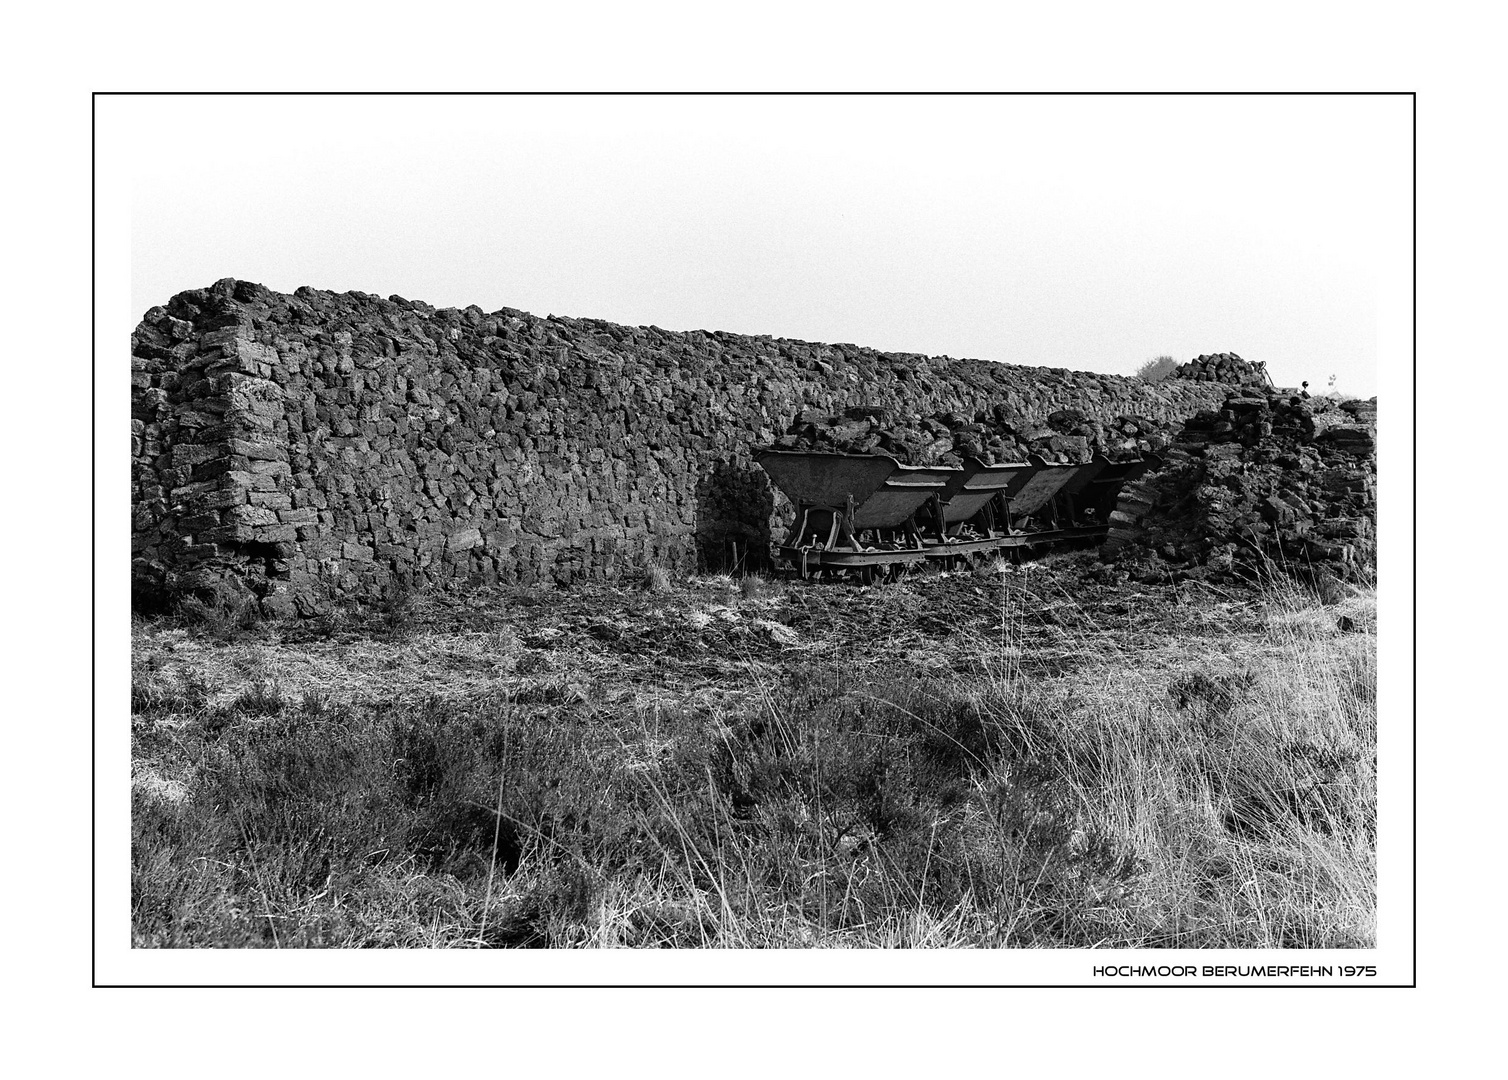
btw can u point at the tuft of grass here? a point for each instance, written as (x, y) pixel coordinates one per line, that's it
(225, 621)
(655, 579)
(719, 582)
(757, 588)
(262, 698)
(154, 691)
(398, 611)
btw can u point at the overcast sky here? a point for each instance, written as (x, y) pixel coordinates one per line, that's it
(1082, 232)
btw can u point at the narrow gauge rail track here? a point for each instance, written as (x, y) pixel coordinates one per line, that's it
(870, 516)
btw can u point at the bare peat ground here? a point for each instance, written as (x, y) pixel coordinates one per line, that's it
(1045, 755)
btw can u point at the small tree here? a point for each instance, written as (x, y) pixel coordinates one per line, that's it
(1156, 369)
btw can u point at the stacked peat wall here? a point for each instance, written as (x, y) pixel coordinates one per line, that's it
(319, 446)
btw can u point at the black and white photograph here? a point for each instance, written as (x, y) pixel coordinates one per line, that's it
(764, 522)
(837, 538)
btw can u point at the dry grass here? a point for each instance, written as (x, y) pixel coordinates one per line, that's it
(998, 761)
(656, 579)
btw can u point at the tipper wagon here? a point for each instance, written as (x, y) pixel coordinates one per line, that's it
(871, 516)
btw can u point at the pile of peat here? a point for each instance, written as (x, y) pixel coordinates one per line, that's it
(1268, 479)
(1226, 367)
(997, 434)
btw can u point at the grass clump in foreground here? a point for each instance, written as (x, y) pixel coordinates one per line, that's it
(1224, 800)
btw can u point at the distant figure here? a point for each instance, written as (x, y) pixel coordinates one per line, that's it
(1304, 389)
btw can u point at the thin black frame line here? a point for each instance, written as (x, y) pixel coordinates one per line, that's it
(1413, 95)
(93, 540)
(755, 93)
(1414, 549)
(757, 986)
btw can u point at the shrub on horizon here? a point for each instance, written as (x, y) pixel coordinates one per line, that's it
(1156, 369)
